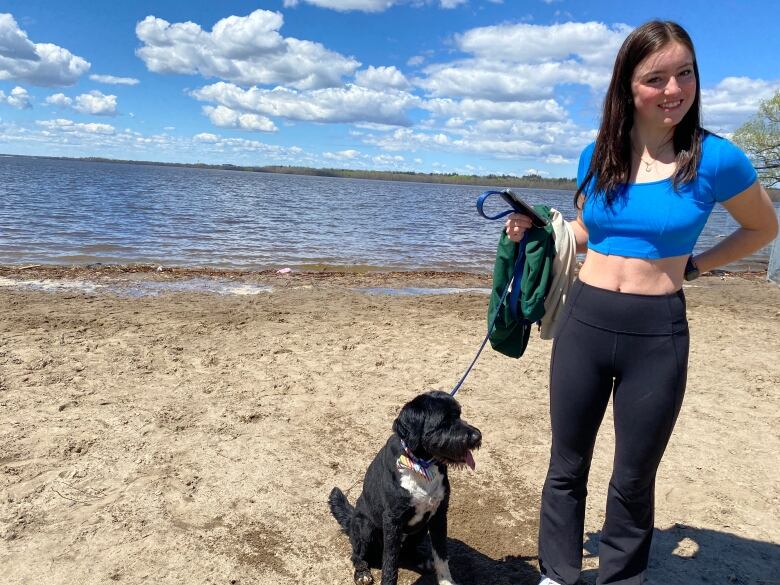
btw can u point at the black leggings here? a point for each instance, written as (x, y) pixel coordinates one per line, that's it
(635, 348)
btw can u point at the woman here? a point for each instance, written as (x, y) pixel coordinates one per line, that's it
(645, 190)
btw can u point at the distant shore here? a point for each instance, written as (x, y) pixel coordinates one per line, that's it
(527, 181)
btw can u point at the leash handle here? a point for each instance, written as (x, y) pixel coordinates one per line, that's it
(481, 202)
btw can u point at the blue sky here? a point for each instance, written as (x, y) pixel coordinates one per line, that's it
(470, 86)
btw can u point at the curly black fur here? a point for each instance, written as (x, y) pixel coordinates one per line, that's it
(390, 515)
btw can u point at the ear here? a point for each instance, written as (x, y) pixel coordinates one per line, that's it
(410, 422)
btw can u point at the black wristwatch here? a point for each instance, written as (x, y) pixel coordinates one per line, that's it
(691, 270)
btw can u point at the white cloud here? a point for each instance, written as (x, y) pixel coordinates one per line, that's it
(93, 102)
(506, 82)
(559, 142)
(41, 64)
(112, 80)
(60, 100)
(591, 43)
(520, 62)
(69, 126)
(246, 50)
(240, 146)
(333, 105)
(735, 99)
(206, 137)
(388, 160)
(381, 78)
(224, 117)
(482, 109)
(349, 154)
(62, 137)
(18, 98)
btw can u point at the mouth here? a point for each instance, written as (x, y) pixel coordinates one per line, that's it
(672, 105)
(467, 460)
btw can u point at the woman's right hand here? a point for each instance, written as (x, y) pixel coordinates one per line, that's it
(515, 226)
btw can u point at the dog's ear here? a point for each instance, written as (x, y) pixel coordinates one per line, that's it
(410, 423)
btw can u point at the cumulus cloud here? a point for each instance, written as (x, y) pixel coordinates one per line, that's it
(240, 146)
(112, 80)
(227, 118)
(381, 78)
(59, 100)
(69, 126)
(482, 109)
(93, 102)
(206, 137)
(588, 42)
(526, 62)
(246, 50)
(559, 143)
(18, 98)
(40, 64)
(349, 154)
(735, 99)
(333, 105)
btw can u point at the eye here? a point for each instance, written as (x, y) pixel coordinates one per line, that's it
(652, 80)
(686, 73)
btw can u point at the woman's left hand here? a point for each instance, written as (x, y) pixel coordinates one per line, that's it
(516, 225)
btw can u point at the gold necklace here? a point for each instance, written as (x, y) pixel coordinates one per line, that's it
(648, 165)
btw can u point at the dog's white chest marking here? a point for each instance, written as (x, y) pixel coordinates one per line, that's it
(426, 495)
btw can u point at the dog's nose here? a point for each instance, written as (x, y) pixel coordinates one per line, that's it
(475, 437)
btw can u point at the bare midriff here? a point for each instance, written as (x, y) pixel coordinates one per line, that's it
(642, 276)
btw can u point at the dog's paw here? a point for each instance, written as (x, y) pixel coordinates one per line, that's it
(363, 577)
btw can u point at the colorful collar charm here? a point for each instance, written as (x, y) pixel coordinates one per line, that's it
(407, 460)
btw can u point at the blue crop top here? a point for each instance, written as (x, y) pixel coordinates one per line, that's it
(651, 220)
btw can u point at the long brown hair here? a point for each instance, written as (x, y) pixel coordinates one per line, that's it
(611, 160)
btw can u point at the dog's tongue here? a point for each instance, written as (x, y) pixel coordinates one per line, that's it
(470, 460)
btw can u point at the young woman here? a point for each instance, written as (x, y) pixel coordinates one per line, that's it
(645, 190)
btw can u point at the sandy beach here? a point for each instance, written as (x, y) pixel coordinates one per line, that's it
(190, 437)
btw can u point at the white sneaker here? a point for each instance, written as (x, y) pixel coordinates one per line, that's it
(548, 581)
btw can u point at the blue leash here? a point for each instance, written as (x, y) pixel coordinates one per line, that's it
(518, 270)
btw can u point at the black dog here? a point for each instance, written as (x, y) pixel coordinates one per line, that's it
(406, 491)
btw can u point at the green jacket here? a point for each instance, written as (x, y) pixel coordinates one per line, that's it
(510, 335)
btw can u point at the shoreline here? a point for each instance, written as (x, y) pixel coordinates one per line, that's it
(323, 271)
(329, 274)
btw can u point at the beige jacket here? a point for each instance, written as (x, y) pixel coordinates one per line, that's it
(562, 274)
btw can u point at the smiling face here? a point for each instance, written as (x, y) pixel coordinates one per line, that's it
(663, 87)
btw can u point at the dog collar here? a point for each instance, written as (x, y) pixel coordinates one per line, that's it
(407, 460)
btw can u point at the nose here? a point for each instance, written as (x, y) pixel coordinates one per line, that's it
(672, 87)
(475, 437)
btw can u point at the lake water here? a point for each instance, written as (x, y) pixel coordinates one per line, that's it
(73, 212)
